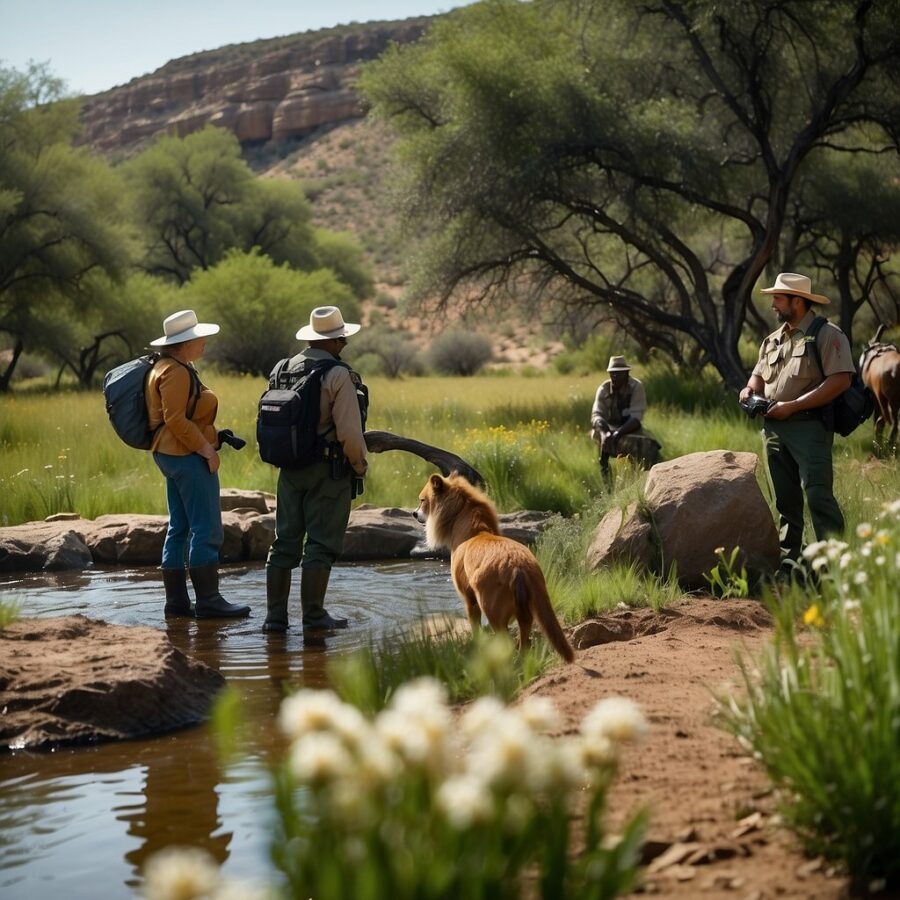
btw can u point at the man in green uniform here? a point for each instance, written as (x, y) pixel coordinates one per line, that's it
(314, 501)
(797, 432)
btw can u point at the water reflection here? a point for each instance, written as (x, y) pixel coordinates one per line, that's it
(82, 822)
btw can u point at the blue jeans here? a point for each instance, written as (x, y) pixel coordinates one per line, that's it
(192, 492)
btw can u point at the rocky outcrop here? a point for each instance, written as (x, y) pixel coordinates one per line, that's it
(69, 542)
(696, 504)
(264, 91)
(74, 680)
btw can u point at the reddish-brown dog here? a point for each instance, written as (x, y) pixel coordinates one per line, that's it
(493, 574)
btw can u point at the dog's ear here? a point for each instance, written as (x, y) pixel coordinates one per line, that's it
(437, 483)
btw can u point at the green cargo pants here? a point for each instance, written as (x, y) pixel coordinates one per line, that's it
(314, 508)
(799, 458)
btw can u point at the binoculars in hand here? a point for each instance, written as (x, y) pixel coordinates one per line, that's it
(755, 405)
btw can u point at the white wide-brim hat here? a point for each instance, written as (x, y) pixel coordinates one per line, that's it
(183, 326)
(326, 322)
(618, 364)
(792, 283)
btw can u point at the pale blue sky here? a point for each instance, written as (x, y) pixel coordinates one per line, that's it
(96, 44)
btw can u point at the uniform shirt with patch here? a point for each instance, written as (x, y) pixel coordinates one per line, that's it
(789, 367)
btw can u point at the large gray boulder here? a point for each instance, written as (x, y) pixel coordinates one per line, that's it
(74, 680)
(696, 504)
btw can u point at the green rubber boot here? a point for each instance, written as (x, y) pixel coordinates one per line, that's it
(313, 585)
(278, 590)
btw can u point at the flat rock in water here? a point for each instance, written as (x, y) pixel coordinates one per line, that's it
(74, 680)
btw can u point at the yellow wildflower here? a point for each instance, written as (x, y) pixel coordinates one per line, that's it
(813, 617)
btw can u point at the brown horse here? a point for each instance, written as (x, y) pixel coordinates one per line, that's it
(879, 366)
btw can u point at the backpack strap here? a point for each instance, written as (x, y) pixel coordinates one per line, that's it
(817, 324)
(195, 389)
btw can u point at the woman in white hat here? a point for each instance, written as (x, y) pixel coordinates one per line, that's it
(182, 411)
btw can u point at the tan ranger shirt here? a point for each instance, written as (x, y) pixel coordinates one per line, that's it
(167, 395)
(789, 370)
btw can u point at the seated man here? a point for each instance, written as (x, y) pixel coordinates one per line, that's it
(616, 418)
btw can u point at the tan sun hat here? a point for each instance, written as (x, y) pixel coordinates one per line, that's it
(792, 283)
(617, 364)
(326, 322)
(183, 326)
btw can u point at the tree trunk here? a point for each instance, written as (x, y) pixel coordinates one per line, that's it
(7, 373)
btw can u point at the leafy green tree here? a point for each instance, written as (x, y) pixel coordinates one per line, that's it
(260, 306)
(843, 223)
(196, 199)
(339, 251)
(633, 159)
(61, 213)
(121, 319)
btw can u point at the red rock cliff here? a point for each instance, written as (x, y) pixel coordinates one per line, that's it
(267, 90)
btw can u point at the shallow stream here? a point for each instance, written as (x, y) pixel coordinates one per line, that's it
(80, 823)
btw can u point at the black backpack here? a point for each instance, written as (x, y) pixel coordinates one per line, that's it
(850, 409)
(288, 418)
(124, 388)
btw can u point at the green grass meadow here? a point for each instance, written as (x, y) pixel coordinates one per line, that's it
(527, 435)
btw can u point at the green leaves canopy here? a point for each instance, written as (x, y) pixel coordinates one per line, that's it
(633, 160)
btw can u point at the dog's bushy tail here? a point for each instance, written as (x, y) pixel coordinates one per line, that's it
(539, 601)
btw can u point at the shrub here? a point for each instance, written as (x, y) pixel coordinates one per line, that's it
(822, 714)
(458, 352)
(396, 353)
(259, 307)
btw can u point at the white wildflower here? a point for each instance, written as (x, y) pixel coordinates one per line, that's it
(465, 800)
(412, 738)
(180, 873)
(506, 755)
(420, 695)
(539, 713)
(597, 751)
(319, 758)
(376, 764)
(865, 550)
(880, 560)
(846, 559)
(835, 549)
(860, 578)
(481, 715)
(813, 549)
(864, 530)
(851, 605)
(820, 562)
(616, 718)
(310, 711)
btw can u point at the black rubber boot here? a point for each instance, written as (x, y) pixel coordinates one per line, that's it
(210, 603)
(278, 590)
(313, 585)
(178, 602)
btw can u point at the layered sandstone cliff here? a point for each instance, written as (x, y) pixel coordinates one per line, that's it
(265, 91)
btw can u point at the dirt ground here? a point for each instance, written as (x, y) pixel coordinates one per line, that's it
(714, 825)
